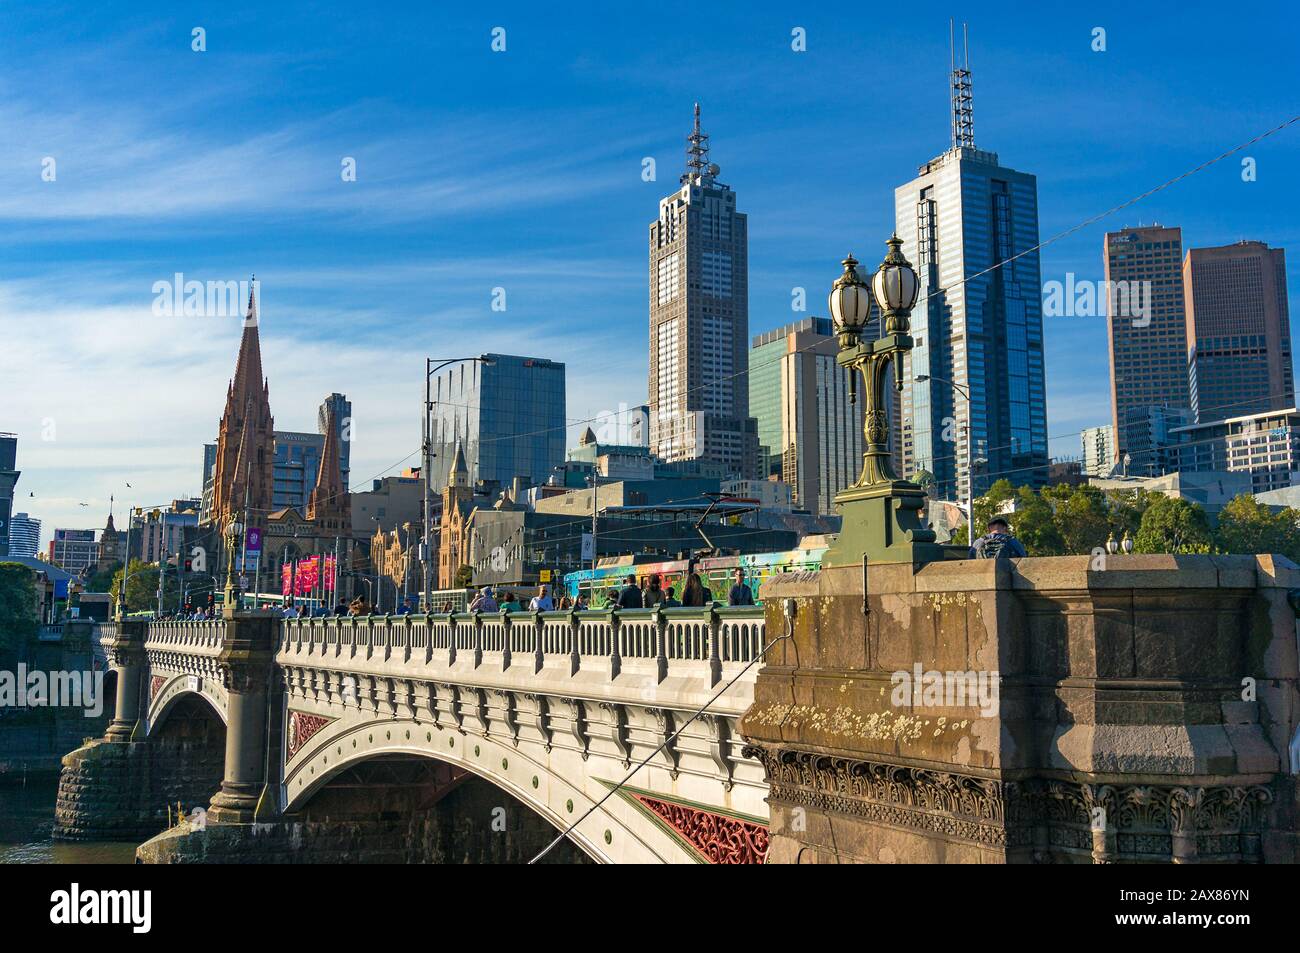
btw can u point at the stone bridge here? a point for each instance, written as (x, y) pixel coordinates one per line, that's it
(553, 709)
(1144, 709)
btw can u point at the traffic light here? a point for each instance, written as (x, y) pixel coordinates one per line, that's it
(188, 564)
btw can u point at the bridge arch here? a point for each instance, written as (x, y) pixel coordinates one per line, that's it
(620, 831)
(165, 691)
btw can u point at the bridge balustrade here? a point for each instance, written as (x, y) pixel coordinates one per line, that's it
(713, 635)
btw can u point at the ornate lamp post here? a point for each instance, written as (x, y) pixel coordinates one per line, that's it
(234, 530)
(881, 513)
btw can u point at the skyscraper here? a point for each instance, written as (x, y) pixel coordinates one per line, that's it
(969, 226)
(1146, 323)
(809, 434)
(1238, 330)
(699, 321)
(341, 408)
(506, 415)
(24, 535)
(8, 480)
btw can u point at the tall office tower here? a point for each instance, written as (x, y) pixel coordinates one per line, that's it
(978, 323)
(699, 322)
(8, 480)
(507, 415)
(1238, 330)
(1148, 435)
(809, 433)
(1146, 323)
(1098, 450)
(341, 407)
(24, 535)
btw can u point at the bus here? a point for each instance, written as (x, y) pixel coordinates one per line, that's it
(601, 585)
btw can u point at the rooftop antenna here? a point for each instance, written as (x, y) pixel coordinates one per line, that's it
(963, 112)
(697, 153)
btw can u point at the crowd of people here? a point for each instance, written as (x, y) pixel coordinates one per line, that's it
(646, 593)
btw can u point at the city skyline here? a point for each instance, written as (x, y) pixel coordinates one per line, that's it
(86, 253)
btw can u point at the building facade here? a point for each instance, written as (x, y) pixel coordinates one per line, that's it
(699, 322)
(74, 550)
(506, 416)
(1238, 336)
(8, 480)
(810, 434)
(1265, 445)
(970, 226)
(1147, 324)
(24, 535)
(297, 467)
(1148, 435)
(1099, 450)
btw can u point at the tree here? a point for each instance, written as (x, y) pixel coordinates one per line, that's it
(102, 581)
(1081, 516)
(19, 616)
(464, 576)
(1247, 526)
(1126, 509)
(1172, 525)
(1035, 524)
(142, 588)
(992, 502)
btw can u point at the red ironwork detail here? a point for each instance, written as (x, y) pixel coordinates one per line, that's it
(155, 683)
(716, 837)
(302, 726)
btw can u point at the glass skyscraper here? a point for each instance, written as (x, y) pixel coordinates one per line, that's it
(978, 322)
(507, 415)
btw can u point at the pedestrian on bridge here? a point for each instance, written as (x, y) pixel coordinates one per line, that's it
(542, 602)
(740, 594)
(630, 596)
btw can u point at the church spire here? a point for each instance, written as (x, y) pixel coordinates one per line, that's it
(328, 503)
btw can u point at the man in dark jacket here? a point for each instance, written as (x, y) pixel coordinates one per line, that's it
(998, 542)
(630, 596)
(740, 594)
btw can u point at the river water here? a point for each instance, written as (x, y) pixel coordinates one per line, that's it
(26, 822)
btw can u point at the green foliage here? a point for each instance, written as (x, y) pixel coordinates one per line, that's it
(464, 576)
(1175, 526)
(142, 588)
(1082, 517)
(1247, 526)
(19, 617)
(102, 581)
(1035, 524)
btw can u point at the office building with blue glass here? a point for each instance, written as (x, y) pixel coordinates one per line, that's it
(969, 225)
(506, 413)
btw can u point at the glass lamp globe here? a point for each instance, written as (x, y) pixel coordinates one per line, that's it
(849, 301)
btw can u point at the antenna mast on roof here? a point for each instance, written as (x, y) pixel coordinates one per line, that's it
(963, 110)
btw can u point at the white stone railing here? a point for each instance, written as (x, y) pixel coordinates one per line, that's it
(715, 638)
(178, 636)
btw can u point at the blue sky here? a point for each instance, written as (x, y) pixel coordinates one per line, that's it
(522, 170)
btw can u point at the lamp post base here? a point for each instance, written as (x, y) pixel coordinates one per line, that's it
(882, 521)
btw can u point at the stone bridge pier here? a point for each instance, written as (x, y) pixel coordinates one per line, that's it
(1130, 709)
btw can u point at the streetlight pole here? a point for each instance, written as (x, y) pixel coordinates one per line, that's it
(880, 513)
(427, 456)
(970, 460)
